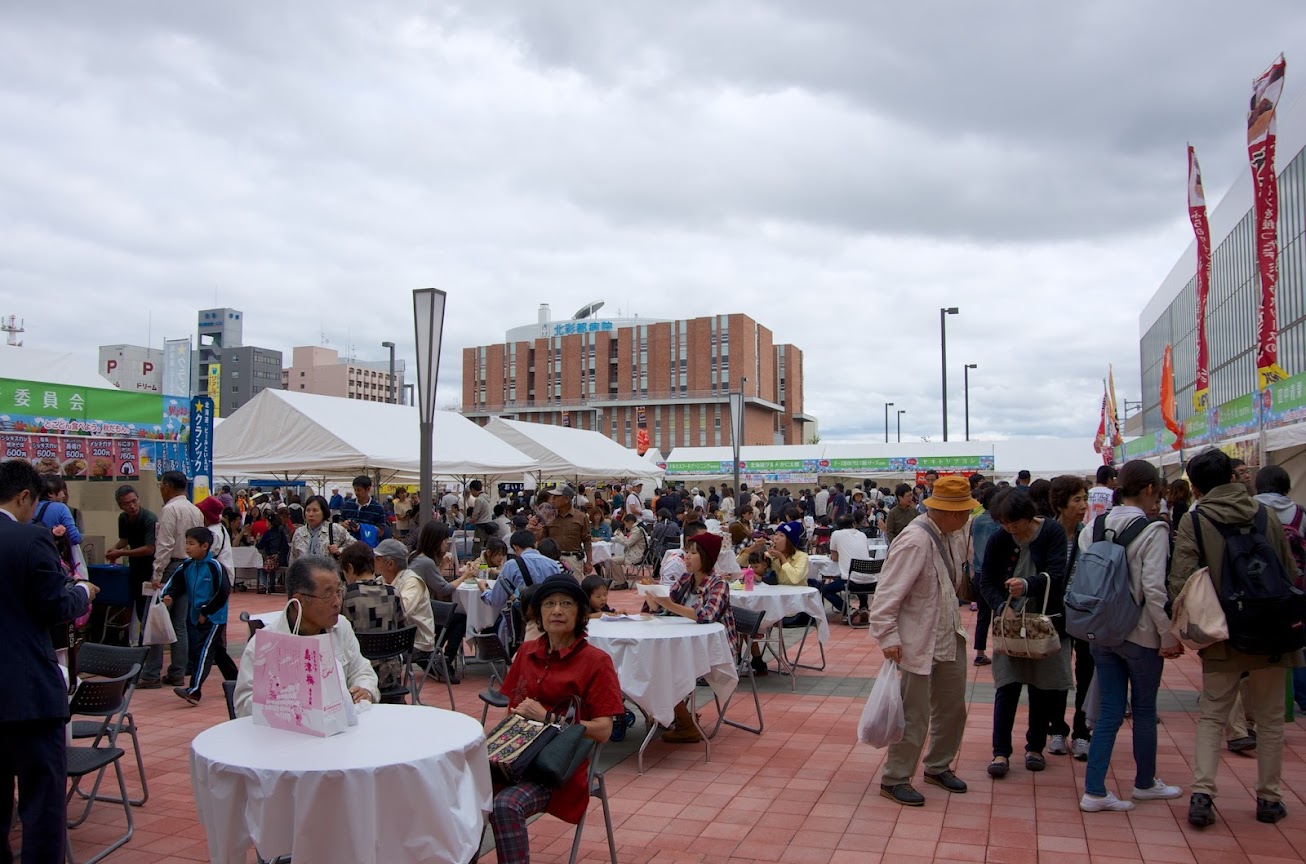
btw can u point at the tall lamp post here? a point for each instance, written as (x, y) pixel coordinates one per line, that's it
(944, 312)
(901, 411)
(887, 405)
(965, 372)
(428, 318)
(390, 389)
(737, 433)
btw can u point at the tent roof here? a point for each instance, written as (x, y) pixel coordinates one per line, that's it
(284, 432)
(50, 367)
(573, 453)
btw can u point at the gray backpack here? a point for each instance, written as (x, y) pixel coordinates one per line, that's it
(1099, 603)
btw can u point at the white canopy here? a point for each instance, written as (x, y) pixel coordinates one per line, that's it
(573, 454)
(51, 367)
(285, 433)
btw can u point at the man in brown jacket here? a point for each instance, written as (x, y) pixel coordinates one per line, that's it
(1227, 501)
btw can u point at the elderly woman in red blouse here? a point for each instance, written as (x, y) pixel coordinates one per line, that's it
(699, 594)
(546, 673)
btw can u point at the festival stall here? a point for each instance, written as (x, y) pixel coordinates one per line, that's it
(289, 435)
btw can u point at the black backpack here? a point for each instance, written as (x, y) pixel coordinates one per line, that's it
(1266, 613)
(517, 605)
(650, 555)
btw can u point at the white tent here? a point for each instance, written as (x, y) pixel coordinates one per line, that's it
(50, 367)
(573, 454)
(284, 433)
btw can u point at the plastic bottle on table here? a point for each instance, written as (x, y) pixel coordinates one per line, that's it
(749, 578)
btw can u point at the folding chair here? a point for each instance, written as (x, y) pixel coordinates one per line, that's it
(229, 693)
(864, 567)
(442, 612)
(598, 789)
(376, 645)
(103, 699)
(749, 627)
(802, 643)
(109, 661)
(253, 624)
(490, 650)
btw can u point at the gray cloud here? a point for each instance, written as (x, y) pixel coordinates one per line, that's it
(838, 171)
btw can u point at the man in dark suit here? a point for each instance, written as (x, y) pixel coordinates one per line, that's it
(35, 595)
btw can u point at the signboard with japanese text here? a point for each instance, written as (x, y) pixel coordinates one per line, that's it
(570, 328)
(201, 447)
(1284, 402)
(59, 409)
(215, 388)
(1235, 417)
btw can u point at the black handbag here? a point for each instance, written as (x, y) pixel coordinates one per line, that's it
(547, 752)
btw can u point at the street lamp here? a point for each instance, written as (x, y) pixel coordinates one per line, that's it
(390, 390)
(901, 411)
(886, 421)
(944, 312)
(965, 372)
(428, 320)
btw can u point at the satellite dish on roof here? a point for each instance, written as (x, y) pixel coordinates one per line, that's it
(589, 310)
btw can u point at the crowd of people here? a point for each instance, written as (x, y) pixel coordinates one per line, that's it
(359, 563)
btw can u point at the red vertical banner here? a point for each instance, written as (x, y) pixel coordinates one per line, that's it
(1202, 231)
(1168, 399)
(1099, 440)
(1260, 151)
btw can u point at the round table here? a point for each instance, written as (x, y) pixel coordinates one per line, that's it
(356, 796)
(879, 550)
(601, 550)
(823, 566)
(480, 616)
(781, 601)
(659, 661)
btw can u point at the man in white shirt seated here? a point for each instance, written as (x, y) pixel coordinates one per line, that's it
(414, 596)
(315, 582)
(847, 544)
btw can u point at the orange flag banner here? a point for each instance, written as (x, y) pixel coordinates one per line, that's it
(1168, 401)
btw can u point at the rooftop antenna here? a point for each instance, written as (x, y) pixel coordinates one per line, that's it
(12, 330)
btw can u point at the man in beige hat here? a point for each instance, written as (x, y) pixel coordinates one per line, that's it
(915, 620)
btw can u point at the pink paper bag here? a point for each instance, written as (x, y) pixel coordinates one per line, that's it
(297, 684)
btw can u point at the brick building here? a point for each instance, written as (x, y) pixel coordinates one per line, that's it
(599, 373)
(323, 371)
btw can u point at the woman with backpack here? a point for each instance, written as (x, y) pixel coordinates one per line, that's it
(1133, 668)
(1025, 563)
(666, 536)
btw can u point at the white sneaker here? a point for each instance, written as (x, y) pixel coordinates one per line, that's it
(1057, 746)
(1080, 749)
(1158, 792)
(1093, 804)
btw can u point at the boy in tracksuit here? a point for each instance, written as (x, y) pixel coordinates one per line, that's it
(204, 586)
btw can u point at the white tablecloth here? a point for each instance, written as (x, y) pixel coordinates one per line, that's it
(659, 661)
(407, 784)
(246, 556)
(781, 601)
(822, 565)
(602, 550)
(480, 616)
(879, 549)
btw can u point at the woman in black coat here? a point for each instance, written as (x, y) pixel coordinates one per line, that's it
(1023, 561)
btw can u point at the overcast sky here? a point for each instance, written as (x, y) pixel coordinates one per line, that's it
(838, 170)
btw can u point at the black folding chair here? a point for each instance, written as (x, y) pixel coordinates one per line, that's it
(490, 650)
(442, 613)
(103, 699)
(229, 693)
(377, 645)
(748, 625)
(863, 567)
(253, 624)
(599, 790)
(110, 661)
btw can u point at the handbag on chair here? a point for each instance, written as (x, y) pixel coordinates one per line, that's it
(547, 752)
(1025, 634)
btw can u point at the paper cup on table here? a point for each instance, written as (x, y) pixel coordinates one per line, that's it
(655, 590)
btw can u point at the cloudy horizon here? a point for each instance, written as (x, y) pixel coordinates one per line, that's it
(836, 171)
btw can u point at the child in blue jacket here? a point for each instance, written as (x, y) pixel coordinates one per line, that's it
(202, 583)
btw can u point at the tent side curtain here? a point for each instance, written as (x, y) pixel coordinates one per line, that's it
(573, 454)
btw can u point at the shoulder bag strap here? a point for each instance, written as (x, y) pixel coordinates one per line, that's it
(1201, 544)
(40, 511)
(526, 579)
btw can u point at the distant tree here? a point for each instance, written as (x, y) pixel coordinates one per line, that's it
(815, 439)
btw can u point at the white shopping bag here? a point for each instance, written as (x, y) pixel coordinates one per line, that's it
(158, 623)
(882, 720)
(298, 684)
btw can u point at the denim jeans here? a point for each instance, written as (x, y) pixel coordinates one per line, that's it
(1120, 670)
